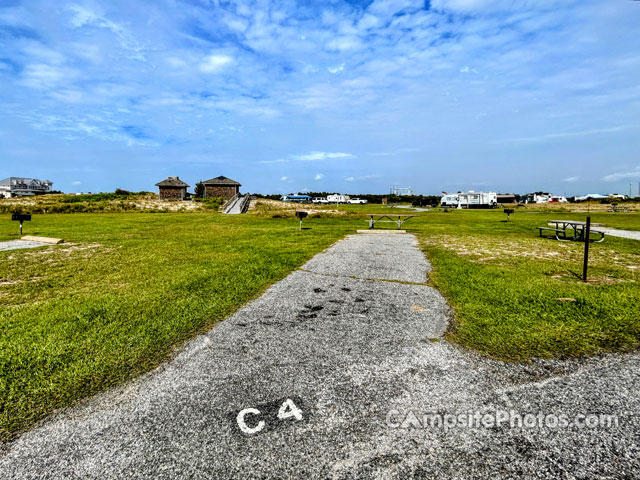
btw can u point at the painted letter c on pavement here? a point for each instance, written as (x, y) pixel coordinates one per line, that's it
(243, 426)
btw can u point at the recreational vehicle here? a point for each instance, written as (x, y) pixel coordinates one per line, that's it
(296, 198)
(449, 200)
(470, 199)
(538, 197)
(337, 198)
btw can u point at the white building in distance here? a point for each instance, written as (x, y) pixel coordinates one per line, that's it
(23, 187)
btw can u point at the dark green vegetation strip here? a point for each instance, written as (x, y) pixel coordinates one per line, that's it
(516, 296)
(76, 319)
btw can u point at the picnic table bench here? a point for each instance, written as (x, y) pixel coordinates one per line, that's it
(398, 219)
(577, 231)
(617, 208)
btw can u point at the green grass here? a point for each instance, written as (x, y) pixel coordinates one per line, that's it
(504, 285)
(77, 319)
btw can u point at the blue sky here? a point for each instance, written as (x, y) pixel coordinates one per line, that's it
(348, 96)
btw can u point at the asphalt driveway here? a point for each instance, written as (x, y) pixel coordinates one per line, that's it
(340, 371)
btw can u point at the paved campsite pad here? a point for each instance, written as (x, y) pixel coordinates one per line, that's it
(345, 351)
(19, 244)
(614, 232)
(374, 256)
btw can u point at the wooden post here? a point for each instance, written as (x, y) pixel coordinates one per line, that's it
(587, 229)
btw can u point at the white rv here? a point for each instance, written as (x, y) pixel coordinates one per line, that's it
(337, 198)
(449, 200)
(538, 197)
(470, 199)
(473, 199)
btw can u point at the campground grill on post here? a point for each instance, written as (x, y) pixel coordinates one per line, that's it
(508, 211)
(21, 217)
(300, 215)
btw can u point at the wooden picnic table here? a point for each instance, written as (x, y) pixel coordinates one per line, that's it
(576, 228)
(618, 208)
(398, 219)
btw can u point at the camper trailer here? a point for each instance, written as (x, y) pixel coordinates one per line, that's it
(296, 198)
(338, 198)
(449, 200)
(470, 199)
(537, 197)
(473, 199)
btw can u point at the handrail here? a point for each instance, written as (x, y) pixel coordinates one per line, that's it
(229, 202)
(244, 206)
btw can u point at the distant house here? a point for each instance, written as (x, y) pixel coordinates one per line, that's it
(22, 187)
(507, 198)
(172, 189)
(222, 187)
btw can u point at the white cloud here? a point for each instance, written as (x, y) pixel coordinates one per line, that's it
(466, 6)
(76, 183)
(283, 179)
(344, 43)
(47, 76)
(176, 62)
(337, 69)
(630, 175)
(571, 179)
(320, 156)
(215, 63)
(372, 176)
(583, 133)
(319, 176)
(309, 157)
(83, 17)
(368, 21)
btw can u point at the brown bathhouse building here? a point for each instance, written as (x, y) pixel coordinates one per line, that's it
(222, 187)
(172, 189)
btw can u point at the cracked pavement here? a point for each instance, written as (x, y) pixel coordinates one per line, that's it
(353, 340)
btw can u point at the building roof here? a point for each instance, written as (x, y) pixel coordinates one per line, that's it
(172, 182)
(25, 180)
(221, 181)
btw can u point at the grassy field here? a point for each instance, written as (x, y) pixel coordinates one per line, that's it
(518, 296)
(78, 318)
(128, 287)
